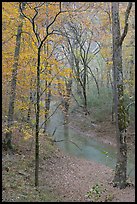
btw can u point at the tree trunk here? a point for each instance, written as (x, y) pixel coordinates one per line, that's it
(47, 85)
(47, 103)
(30, 104)
(84, 88)
(37, 121)
(40, 44)
(79, 92)
(120, 179)
(67, 100)
(8, 138)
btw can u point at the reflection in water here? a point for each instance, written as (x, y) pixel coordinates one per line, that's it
(66, 137)
(89, 148)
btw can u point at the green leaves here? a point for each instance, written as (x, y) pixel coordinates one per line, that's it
(104, 152)
(94, 193)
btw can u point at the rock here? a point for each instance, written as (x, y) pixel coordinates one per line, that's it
(23, 174)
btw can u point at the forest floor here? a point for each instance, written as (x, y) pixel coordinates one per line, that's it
(62, 177)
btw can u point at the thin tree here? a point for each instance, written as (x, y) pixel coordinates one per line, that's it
(120, 178)
(40, 43)
(79, 46)
(8, 138)
(47, 84)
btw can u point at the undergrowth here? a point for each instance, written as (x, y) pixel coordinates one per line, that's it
(18, 173)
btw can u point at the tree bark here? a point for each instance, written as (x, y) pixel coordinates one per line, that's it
(37, 121)
(47, 85)
(47, 103)
(8, 138)
(85, 87)
(120, 179)
(30, 104)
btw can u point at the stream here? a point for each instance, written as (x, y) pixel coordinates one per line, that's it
(88, 148)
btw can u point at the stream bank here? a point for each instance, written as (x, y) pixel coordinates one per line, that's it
(62, 177)
(72, 177)
(103, 131)
(88, 139)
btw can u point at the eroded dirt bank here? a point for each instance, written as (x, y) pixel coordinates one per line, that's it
(103, 131)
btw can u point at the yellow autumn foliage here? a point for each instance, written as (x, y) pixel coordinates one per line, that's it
(57, 71)
(27, 135)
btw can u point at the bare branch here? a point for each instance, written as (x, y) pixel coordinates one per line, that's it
(128, 106)
(94, 79)
(3, 43)
(24, 15)
(30, 36)
(32, 21)
(54, 131)
(126, 22)
(68, 141)
(50, 82)
(77, 101)
(34, 26)
(47, 29)
(50, 116)
(40, 4)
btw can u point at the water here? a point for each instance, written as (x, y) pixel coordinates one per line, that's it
(85, 147)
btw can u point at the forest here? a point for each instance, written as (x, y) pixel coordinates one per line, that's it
(68, 101)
